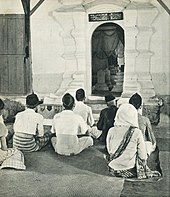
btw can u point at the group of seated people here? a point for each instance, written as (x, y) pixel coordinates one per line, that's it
(127, 135)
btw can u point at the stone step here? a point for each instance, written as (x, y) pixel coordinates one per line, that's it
(117, 88)
(120, 73)
(119, 83)
(120, 76)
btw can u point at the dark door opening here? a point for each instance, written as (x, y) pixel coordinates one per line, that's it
(107, 59)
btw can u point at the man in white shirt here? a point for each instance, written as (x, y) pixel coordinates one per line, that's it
(86, 113)
(82, 109)
(28, 127)
(71, 130)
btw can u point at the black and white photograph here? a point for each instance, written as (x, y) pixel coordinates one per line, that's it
(84, 98)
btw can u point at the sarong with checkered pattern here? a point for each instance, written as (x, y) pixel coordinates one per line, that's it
(14, 159)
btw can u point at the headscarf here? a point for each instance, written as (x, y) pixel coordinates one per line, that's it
(126, 115)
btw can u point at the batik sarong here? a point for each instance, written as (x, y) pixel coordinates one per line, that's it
(29, 143)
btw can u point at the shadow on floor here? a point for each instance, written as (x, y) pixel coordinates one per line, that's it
(47, 161)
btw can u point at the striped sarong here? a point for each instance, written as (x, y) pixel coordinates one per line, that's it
(29, 143)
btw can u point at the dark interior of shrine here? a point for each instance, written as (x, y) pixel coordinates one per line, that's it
(107, 59)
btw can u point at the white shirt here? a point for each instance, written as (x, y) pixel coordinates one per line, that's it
(69, 123)
(29, 122)
(1, 120)
(135, 146)
(85, 112)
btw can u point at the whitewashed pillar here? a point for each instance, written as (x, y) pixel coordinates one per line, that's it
(143, 60)
(130, 76)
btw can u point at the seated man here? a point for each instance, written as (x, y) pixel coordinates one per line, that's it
(71, 130)
(86, 113)
(82, 109)
(144, 124)
(148, 134)
(107, 116)
(28, 127)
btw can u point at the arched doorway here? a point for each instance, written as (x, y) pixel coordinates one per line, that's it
(107, 59)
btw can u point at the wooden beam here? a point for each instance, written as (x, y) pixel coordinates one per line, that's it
(24, 4)
(36, 7)
(26, 7)
(164, 6)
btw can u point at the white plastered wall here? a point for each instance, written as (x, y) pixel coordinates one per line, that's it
(51, 32)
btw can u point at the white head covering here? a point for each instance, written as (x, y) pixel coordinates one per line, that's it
(126, 115)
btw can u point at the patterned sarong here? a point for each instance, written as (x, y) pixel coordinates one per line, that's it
(30, 143)
(129, 173)
(14, 159)
(5, 154)
(144, 172)
(140, 171)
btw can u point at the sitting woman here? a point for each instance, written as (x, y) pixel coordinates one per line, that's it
(126, 146)
(149, 137)
(70, 129)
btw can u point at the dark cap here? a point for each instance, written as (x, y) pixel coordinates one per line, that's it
(68, 101)
(1, 104)
(136, 100)
(33, 101)
(80, 94)
(109, 98)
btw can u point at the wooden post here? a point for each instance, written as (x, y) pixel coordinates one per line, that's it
(27, 41)
(27, 58)
(26, 7)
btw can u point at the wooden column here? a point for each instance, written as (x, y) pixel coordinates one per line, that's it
(27, 44)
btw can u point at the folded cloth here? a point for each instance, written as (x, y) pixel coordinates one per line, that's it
(14, 159)
(94, 132)
(6, 154)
